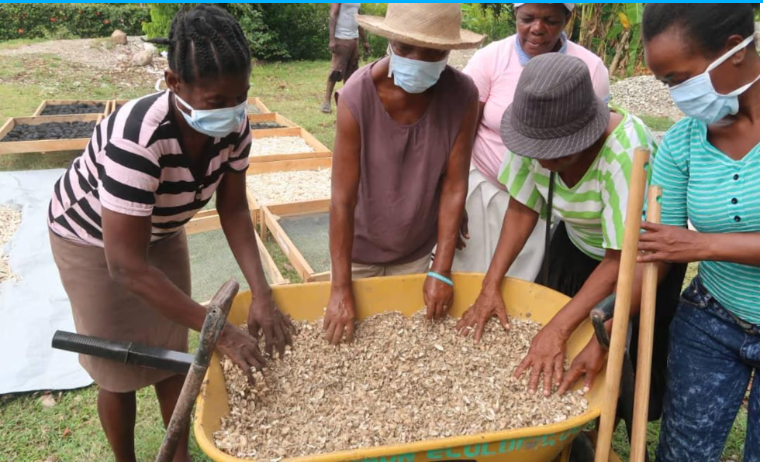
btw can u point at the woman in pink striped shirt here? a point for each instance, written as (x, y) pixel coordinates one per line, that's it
(117, 215)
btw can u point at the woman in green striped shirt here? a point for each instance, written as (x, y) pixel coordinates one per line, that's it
(558, 132)
(709, 169)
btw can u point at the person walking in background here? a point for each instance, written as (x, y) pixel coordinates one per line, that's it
(495, 70)
(344, 34)
(709, 168)
(405, 127)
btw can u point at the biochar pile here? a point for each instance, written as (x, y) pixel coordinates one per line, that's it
(74, 108)
(403, 380)
(265, 125)
(51, 131)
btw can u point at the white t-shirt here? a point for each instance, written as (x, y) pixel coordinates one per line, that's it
(346, 23)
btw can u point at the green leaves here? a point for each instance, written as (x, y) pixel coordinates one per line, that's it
(40, 20)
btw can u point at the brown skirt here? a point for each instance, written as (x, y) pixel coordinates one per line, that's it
(104, 308)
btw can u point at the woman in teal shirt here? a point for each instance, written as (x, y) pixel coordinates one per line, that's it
(709, 168)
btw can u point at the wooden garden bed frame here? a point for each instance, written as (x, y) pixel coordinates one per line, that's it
(269, 215)
(45, 146)
(260, 105)
(209, 220)
(54, 102)
(280, 160)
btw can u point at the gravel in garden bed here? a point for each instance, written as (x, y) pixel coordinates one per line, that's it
(279, 145)
(288, 187)
(403, 380)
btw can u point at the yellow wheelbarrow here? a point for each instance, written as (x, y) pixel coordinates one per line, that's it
(373, 296)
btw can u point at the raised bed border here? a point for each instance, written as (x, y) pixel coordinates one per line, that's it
(269, 222)
(55, 102)
(45, 146)
(319, 150)
(260, 105)
(209, 220)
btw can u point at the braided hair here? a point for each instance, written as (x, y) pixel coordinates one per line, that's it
(206, 41)
(708, 25)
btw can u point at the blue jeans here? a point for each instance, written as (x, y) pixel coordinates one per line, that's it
(710, 361)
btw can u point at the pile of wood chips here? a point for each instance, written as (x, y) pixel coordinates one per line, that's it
(403, 380)
(289, 187)
(10, 219)
(279, 145)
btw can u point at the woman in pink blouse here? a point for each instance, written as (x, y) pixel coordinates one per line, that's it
(495, 70)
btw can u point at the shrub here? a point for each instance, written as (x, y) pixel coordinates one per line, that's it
(378, 44)
(162, 15)
(495, 20)
(263, 42)
(65, 20)
(302, 28)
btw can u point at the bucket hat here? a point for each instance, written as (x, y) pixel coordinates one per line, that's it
(555, 112)
(429, 25)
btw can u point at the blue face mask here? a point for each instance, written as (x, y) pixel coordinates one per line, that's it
(217, 123)
(698, 99)
(415, 76)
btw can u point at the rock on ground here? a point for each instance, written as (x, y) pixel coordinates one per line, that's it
(143, 58)
(149, 47)
(119, 37)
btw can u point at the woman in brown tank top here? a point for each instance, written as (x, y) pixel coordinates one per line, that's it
(405, 128)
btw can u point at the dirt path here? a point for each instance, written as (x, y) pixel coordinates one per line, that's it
(99, 54)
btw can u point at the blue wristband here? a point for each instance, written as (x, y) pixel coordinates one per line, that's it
(440, 278)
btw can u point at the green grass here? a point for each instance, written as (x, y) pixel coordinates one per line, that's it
(31, 433)
(660, 124)
(11, 44)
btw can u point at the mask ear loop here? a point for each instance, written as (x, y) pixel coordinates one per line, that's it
(730, 53)
(390, 53)
(158, 84)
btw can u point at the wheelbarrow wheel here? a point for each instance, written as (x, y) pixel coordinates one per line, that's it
(583, 449)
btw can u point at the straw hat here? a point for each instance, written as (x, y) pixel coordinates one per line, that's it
(429, 25)
(555, 112)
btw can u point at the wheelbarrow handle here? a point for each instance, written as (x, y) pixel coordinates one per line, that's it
(601, 313)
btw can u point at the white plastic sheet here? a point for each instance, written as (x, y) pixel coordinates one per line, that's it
(35, 306)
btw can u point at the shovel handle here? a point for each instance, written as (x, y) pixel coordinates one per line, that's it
(217, 315)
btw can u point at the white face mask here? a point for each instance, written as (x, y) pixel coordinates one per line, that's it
(698, 99)
(412, 75)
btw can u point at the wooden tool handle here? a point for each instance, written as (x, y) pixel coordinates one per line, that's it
(645, 340)
(622, 304)
(217, 315)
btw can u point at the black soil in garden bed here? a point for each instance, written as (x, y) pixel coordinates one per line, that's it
(75, 108)
(50, 131)
(266, 125)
